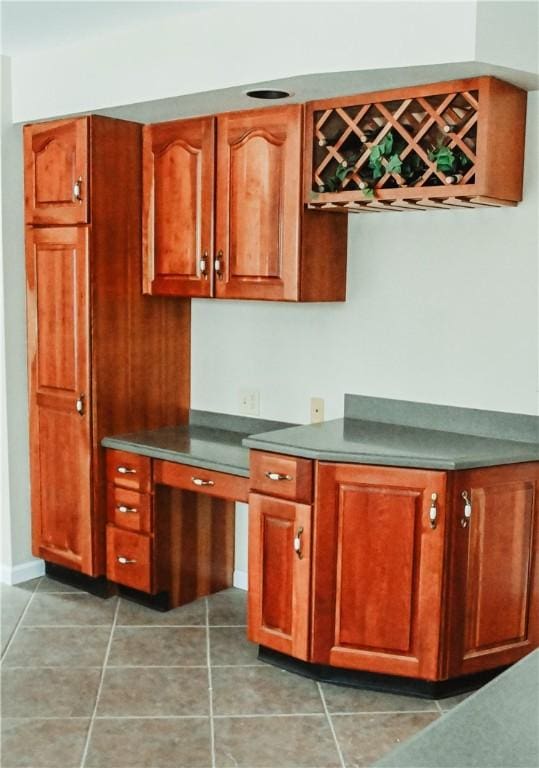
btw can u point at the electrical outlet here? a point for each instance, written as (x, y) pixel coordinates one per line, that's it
(249, 402)
(317, 410)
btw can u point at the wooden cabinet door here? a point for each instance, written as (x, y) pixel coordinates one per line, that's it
(56, 172)
(495, 575)
(58, 359)
(377, 569)
(178, 188)
(279, 574)
(259, 204)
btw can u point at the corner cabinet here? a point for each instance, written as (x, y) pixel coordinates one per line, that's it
(415, 573)
(378, 569)
(223, 214)
(458, 144)
(102, 358)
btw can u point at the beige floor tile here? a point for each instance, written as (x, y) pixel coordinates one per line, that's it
(58, 647)
(77, 608)
(157, 691)
(39, 743)
(452, 701)
(159, 646)
(13, 601)
(155, 743)
(342, 699)
(192, 614)
(228, 607)
(49, 692)
(52, 585)
(262, 690)
(229, 645)
(274, 742)
(365, 738)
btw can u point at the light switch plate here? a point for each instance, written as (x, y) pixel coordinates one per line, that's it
(317, 410)
(249, 402)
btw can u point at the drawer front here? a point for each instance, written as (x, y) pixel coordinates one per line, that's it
(129, 470)
(284, 476)
(129, 509)
(129, 559)
(205, 481)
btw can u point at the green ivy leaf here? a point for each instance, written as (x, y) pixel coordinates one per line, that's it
(394, 164)
(342, 172)
(368, 192)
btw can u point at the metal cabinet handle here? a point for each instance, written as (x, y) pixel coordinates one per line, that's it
(79, 405)
(278, 476)
(218, 265)
(124, 509)
(200, 481)
(467, 512)
(203, 264)
(125, 560)
(77, 190)
(297, 543)
(126, 470)
(433, 511)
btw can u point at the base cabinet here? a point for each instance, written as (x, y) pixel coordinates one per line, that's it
(417, 573)
(378, 563)
(279, 574)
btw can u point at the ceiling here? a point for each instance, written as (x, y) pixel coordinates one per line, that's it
(28, 26)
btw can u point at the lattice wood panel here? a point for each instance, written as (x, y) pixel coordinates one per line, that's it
(417, 148)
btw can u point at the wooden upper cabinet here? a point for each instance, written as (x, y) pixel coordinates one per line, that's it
(60, 403)
(178, 191)
(56, 172)
(378, 568)
(223, 214)
(495, 576)
(258, 203)
(434, 146)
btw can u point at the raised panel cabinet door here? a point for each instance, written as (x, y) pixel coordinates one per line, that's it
(377, 568)
(56, 173)
(279, 574)
(58, 362)
(178, 188)
(495, 579)
(258, 204)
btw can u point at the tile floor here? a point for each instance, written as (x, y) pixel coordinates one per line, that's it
(107, 683)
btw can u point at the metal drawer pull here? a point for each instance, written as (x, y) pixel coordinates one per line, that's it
(465, 519)
(433, 511)
(124, 510)
(199, 481)
(278, 476)
(79, 405)
(125, 560)
(297, 543)
(126, 470)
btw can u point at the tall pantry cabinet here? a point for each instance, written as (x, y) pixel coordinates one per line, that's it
(102, 358)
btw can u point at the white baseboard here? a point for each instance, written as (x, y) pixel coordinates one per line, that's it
(16, 574)
(239, 579)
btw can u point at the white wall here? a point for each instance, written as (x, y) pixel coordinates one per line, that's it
(442, 308)
(227, 44)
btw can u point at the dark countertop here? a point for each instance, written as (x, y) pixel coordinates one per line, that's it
(209, 441)
(373, 431)
(371, 442)
(401, 433)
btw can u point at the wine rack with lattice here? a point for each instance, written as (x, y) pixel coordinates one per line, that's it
(411, 149)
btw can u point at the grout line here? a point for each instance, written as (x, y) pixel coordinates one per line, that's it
(245, 716)
(21, 617)
(440, 710)
(210, 686)
(331, 727)
(100, 686)
(365, 713)
(66, 626)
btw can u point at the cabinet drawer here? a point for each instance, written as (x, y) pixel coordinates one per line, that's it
(129, 470)
(129, 558)
(129, 509)
(207, 481)
(285, 476)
